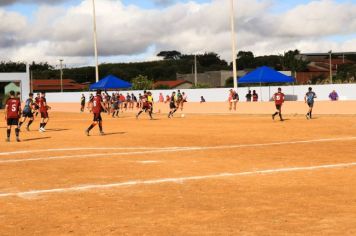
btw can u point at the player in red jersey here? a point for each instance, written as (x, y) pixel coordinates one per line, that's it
(278, 100)
(146, 105)
(37, 101)
(12, 115)
(43, 107)
(97, 108)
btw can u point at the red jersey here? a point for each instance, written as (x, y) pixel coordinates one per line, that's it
(37, 100)
(42, 103)
(97, 100)
(13, 108)
(279, 98)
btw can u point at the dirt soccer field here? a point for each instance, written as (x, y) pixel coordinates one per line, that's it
(198, 175)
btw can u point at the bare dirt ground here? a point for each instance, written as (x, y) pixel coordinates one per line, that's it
(198, 175)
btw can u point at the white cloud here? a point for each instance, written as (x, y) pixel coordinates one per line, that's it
(188, 27)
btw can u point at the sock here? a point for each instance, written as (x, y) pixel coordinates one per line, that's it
(8, 131)
(280, 116)
(44, 124)
(20, 124)
(91, 127)
(275, 113)
(139, 113)
(101, 127)
(310, 114)
(41, 124)
(17, 131)
(150, 113)
(117, 113)
(174, 111)
(29, 123)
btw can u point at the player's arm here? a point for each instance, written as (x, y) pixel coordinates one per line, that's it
(103, 105)
(6, 106)
(305, 98)
(20, 110)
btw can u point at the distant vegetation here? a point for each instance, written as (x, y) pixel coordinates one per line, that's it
(174, 62)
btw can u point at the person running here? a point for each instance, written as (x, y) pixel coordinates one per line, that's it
(82, 103)
(114, 105)
(145, 106)
(184, 99)
(43, 106)
(172, 105)
(12, 115)
(28, 112)
(278, 100)
(37, 102)
(98, 107)
(309, 99)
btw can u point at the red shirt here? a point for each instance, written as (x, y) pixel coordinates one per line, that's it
(279, 98)
(37, 100)
(97, 100)
(13, 108)
(42, 103)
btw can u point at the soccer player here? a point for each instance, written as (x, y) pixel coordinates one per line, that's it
(114, 105)
(145, 106)
(278, 100)
(98, 107)
(172, 105)
(37, 102)
(82, 103)
(28, 111)
(309, 99)
(44, 112)
(12, 115)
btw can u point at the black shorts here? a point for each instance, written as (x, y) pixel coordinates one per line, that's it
(172, 106)
(97, 117)
(28, 114)
(278, 106)
(36, 107)
(311, 104)
(44, 115)
(13, 121)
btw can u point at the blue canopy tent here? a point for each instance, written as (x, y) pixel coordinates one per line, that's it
(265, 74)
(110, 82)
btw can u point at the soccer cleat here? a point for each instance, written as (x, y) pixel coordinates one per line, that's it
(272, 117)
(41, 130)
(307, 116)
(87, 132)
(102, 133)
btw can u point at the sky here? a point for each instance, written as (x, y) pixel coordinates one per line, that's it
(136, 30)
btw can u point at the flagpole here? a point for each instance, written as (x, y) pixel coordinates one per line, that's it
(95, 45)
(233, 43)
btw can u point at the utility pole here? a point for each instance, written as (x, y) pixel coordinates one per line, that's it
(195, 71)
(95, 45)
(233, 43)
(61, 73)
(331, 69)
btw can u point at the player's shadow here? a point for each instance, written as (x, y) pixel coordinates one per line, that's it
(114, 133)
(56, 130)
(34, 139)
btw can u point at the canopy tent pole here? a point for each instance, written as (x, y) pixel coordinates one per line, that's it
(261, 92)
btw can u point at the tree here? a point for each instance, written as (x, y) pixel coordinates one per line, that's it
(245, 60)
(294, 62)
(170, 55)
(142, 82)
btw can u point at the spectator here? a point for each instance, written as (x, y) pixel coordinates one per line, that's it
(254, 96)
(233, 99)
(168, 99)
(202, 99)
(248, 96)
(334, 96)
(161, 98)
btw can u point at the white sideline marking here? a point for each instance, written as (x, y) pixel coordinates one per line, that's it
(171, 180)
(148, 162)
(159, 150)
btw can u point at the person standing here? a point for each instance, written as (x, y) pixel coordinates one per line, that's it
(334, 96)
(44, 112)
(233, 99)
(82, 103)
(28, 112)
(278, 100)
(309, 99)
(254, 96)
(98, 107)
(248, 96)
(12, 115)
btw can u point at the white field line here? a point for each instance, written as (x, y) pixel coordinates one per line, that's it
(91, 187)
(161, 150)
(83, 149)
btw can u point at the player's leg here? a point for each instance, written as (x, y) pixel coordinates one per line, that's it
(17, 130)
(29, 123)
(8, 130)
(276, 113)
(23, 119)
(280, 113)
(101, 127)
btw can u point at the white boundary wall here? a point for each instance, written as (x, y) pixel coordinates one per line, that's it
(23, 78)
(345, 91)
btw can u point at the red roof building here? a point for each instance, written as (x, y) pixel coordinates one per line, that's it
(54, 85)
(173, 84)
